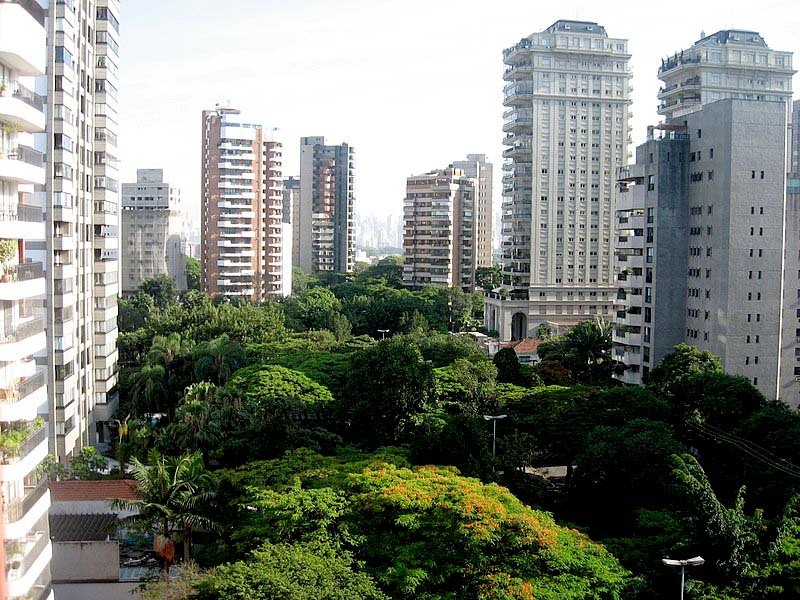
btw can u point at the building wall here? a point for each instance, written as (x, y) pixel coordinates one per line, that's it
(478, 168)
(122, 590)
(439, 234)
(242, 207)
(25, 549)
(92, 561)
(567, 96)
(153, 231)
(324, 227)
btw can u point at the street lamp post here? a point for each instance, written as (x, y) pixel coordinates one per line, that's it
(383, 333)
(691, 562)
(494, 419)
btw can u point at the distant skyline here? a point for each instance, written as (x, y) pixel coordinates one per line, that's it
(412, 86)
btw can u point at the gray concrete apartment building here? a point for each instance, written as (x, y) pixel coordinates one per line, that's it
(154, 231)
(700, 218)
(567, 96)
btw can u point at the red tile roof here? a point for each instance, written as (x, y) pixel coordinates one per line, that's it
(528, 346)
(89, 491)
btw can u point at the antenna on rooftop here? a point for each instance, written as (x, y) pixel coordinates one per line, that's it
(702, 34)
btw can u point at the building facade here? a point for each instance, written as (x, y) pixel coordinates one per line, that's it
(567, 96)
(82, 220)
(241, 208)
(154, 231)
(482, 171)
(439, 240)
(324, 227)
(706, 223)
(26, 550)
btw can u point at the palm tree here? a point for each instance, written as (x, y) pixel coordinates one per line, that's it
(591, 341)
(173, 495)
(197, 422)
(218, 359)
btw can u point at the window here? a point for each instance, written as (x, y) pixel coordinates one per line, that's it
(651, 184)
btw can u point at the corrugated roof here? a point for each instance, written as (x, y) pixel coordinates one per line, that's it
(83, 528)
(106, 489)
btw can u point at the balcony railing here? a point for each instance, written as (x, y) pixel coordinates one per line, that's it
(16, 509)
(21, 212)
(23, 331)
(26, 155)
(29, 97)
(22, 389)
(33, 8)
(10, 451)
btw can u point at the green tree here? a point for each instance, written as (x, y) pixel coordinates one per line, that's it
(174, 495)
(88, 464)
(295, 571)
(192, 273)
(488, 278)
(199, 421)
(387, 271)
(589, 350)
(217, 359)
(315, 308)
(669, 377)
(270, 409)
(162, 290)
(389, 383)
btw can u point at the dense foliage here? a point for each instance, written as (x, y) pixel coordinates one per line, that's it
(321, 436)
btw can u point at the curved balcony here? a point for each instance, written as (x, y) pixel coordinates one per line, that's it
(22, 36)
(21, 107)
(22, 165)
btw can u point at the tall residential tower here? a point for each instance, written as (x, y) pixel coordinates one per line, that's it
(567, 96)
(241, 208)
(439, 239)
(82, 209)
(25, 550)
(478, 168)
(324, 228)
(154, 231)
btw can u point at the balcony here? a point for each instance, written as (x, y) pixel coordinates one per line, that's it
(36, 555)
(20, 282)
(21, 222)
(23, 340)
(21, 107)
(20, 401)
(22, 36)
(22, 165)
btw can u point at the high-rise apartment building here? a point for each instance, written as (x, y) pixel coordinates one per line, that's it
(567, 95)
(478, 168)
(701, 217)
(82, 206)
(324, 228)
(439, 239)
(794, 139)
(291, 202)
(241, 208)
(25, 550)
(154, 231)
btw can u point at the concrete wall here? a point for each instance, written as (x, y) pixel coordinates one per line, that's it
(127, 590)
(85, 561)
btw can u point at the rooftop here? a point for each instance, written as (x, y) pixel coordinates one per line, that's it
(576, 27)
(83, 528)
(93, 491)
(734, 36)
(527, 346)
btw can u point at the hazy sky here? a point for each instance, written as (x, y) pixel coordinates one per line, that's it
(413, 85)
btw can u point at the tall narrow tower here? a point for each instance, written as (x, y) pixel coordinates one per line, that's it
(324, 227)
(567, 96)
(242, 208)
(478, 168)
(82, 195)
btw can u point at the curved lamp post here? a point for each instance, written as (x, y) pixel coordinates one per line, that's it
(691, 562)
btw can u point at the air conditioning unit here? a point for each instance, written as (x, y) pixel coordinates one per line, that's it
(797, 378)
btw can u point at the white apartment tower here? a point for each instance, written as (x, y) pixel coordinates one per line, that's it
(567, 99)
(478, 168)
(25, 552)
(324, 227)
(82, 206)
(707, 245)
(154, 231)
(439, 239)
